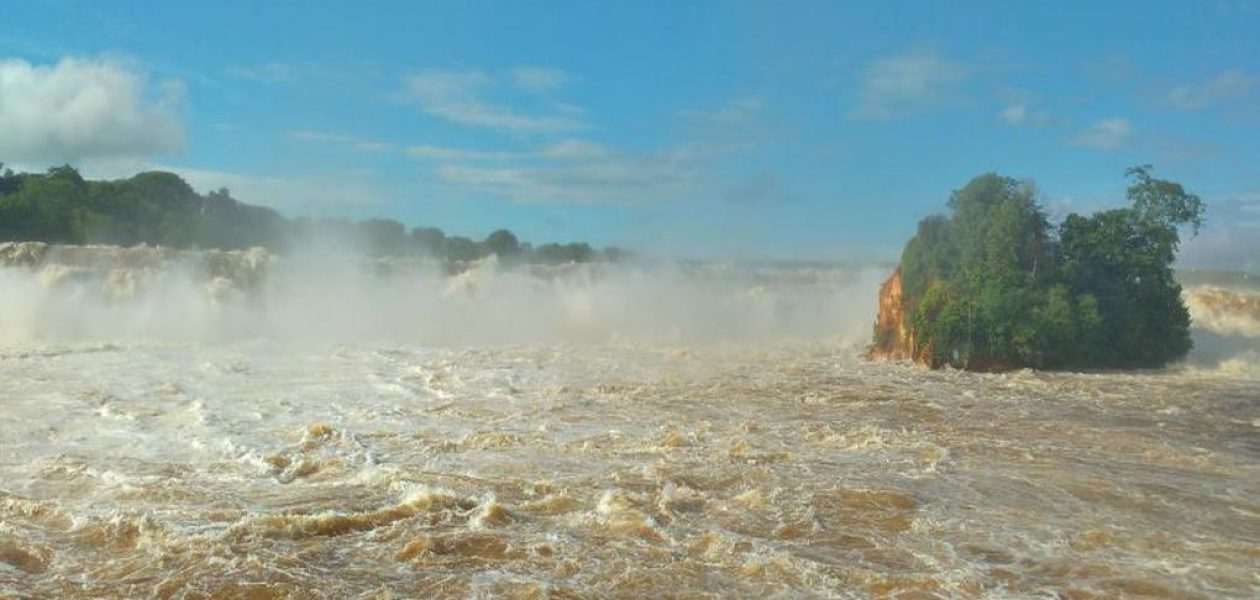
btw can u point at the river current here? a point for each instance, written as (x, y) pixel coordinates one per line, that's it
(228, 426)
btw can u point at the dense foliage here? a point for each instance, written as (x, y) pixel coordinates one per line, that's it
(159, 208)
(994, 286)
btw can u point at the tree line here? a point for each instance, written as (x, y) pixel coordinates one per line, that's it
(993, 285)
(160, 208)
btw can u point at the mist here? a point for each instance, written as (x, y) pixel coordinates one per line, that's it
(329, 293)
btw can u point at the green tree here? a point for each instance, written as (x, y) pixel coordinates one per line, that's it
(160, 208)
(428, 241)
(503, 243)
(462, 249)
(989, 286)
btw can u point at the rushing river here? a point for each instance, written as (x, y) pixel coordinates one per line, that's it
(176, 433)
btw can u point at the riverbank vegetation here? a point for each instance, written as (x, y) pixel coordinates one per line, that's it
(161, 209)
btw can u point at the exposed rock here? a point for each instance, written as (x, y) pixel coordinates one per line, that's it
(894, 339)
(892, 333)
(123, 272)
(22, 254)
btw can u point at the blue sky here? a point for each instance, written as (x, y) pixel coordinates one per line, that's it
(711, 129)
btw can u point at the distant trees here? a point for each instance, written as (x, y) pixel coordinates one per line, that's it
(503, 243)
(45, 208)
(993, 286)
(429, 241)
(563, 253)
(459, 248)
(383, 237)
(160, 208)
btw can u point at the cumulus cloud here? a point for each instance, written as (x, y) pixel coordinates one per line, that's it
(459, 97)
(899, 85)
(85, 108)
(1224, 87)
(1107, 135)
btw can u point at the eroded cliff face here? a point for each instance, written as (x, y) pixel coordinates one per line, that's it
(892, 333)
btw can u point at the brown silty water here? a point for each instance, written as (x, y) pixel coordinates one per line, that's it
(647, 458)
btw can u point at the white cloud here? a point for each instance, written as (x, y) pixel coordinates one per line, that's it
(294, 195)
(1019, 115)
(899, 85)
(538, 79)
(443, 153)
(332, 138)
(272, 72)
(1014, 115)
(1108, 135)
(568, 149)
(1230, 238)
(611, 179)
(79, 109)
(1224, 87)
(735, 112)
(574, 150)
(457, 96)
(278, 72)
(765, 188)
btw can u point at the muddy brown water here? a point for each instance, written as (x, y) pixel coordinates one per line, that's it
(791, 470)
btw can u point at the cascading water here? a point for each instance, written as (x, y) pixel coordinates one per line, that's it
(241, 425)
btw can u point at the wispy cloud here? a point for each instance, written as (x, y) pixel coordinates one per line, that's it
(1224, 87)
(1107, 135)
(296, 195)
(1231, 237)
(572, 149)
(281, 72)
(459, 97)
(1111, 69)
(1175, 149)
(538, 79)
(765, 188)
(444, 153)
(567, 149)
(332, 138)
(1020, 115)
(270, 72)
(616, 178)
(86, 108)
(899, 85)
(735, 112)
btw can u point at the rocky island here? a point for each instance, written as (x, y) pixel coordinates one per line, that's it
(993, 286)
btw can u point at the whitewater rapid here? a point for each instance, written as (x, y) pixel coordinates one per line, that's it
(330, 430)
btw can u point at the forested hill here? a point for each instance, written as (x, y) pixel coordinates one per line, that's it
(161, 209)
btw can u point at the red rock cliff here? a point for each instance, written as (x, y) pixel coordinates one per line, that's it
(892, 333)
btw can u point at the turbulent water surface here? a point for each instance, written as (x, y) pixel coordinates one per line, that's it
(227, 426)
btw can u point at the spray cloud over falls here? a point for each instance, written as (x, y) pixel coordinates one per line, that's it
(102, 293)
